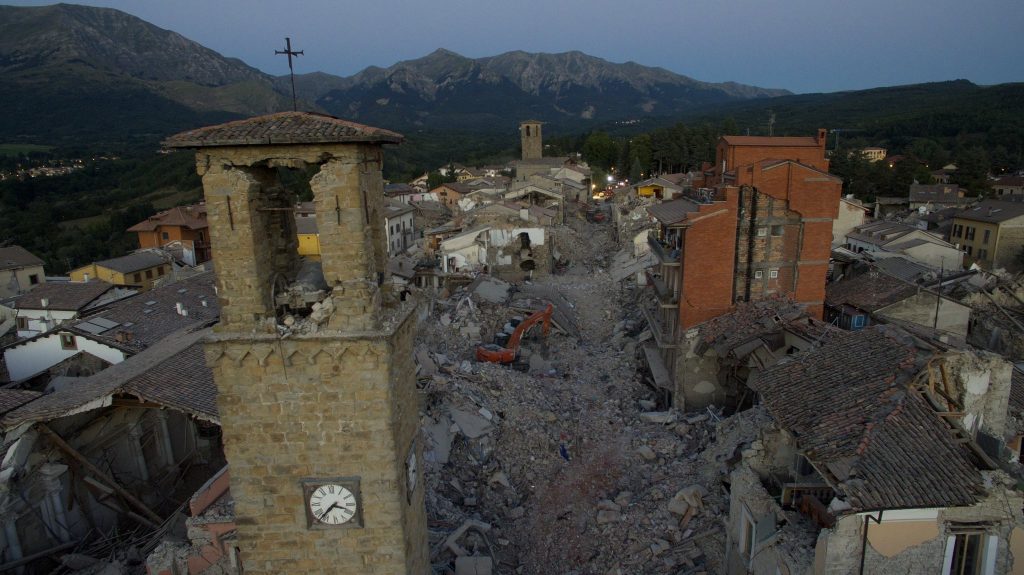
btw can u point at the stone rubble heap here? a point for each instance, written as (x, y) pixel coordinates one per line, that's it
(567, 463)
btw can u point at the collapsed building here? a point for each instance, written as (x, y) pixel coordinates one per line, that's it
(880, 453)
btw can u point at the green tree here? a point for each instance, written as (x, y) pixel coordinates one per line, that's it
(600, 151)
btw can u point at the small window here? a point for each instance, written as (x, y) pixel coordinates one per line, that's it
(773, 274)
(969, 249)
(967, 557)
(762, 232)
(982, 254)
(149, 274)
(970, 233)
(984, 238)
(165, 235)
(758, 274)
(23, 325)
(33, 279)
(67, 341)
(137, 278)
(777, 230)
(160, 271)
(858, 322)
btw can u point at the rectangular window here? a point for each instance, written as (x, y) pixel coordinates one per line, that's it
(970, 233)
(165, 236)
(23, 325)
(137, 278)
(956, 230)
(858, 322)
(968, 249)
(762, 232)
(777, 230)
(160, 271)
(965, 554)
(758, 274)
(746, 534)
(983, 254)
(984, 238)
(33, 279)
(149, 274)
(67, 341)
(773, 273)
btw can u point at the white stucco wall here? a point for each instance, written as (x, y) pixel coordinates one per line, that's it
(40, 320)
(38, 355)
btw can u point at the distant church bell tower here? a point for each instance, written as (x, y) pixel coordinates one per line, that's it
(529, 133)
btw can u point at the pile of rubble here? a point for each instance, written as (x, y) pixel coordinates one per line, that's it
(570, 466)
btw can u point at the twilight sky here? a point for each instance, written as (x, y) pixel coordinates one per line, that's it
(800, 45)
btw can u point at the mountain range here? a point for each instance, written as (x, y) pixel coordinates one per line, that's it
(78, 71)
(83, 76)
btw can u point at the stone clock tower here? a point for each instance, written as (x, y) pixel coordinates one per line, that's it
(320, 424)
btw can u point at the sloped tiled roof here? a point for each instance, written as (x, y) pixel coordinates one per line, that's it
(182, 382)
(13, 257)
(673, 212)
(870, 292)
(133, 262)
(939, 193)
(64, 296)
(14, 398)
(95, 389)
(150, 316)
(282, 128)
(191, 217)
(875, 440)
(993, 211)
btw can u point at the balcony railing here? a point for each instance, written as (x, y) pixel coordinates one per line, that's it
(665, 296)
(656, 321)
(662, 252)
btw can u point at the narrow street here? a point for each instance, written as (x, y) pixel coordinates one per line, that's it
(572, 467)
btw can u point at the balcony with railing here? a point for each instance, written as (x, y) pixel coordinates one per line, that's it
(660, 320)
(665, 254)
(666, 296)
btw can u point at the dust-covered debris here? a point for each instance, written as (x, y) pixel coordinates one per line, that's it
(570, 459)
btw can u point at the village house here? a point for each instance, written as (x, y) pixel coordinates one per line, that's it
(876, 452)
(450, 193)
(1008, 186)
(991, 234)
(857, 302)
(184, 225)
(399, 228)
(762, 230)
(55, 303)
(930, 197)
(900, 238)
(852, 214)
(20, 271)
(873, 154)
(121, 448)
(92, 341)
(138, 270)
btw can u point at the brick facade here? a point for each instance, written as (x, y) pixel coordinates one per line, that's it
(337, 403)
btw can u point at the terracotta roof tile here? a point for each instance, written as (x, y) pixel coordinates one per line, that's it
(876, 440)
(282, 128)
(182, 382)
(673, 212)
(870, 291)
(808, 141)
(191, 217)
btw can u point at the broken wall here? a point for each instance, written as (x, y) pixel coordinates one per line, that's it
(922, 309)
(982, 382)
(917, 540)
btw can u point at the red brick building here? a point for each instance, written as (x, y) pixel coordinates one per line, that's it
(185, 224)
(761, 228)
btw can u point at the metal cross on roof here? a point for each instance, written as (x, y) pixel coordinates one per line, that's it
(291, 71)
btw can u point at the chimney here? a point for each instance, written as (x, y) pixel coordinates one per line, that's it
(44, 302)
(822, 136)
(180, 309)
(85, 277)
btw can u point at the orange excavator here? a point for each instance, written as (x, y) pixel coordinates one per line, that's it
(495, 353)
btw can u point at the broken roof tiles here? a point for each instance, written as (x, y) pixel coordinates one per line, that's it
(874, 438)
(870, 292)
(283, 128)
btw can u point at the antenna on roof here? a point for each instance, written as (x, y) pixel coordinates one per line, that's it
(291, 71)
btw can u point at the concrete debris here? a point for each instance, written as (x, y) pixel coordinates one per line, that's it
(471, 425)
(474, 566)
(566, 459)
(662, 417)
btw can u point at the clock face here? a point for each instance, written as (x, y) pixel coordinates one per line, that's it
(332, 504)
